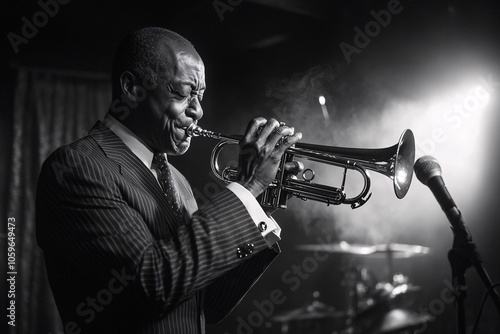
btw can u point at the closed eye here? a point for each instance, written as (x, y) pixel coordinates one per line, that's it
(199, 94)
(178, 94)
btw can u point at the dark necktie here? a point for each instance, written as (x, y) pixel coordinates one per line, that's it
(167, 182)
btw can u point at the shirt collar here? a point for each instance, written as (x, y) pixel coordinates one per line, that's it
(130, 139)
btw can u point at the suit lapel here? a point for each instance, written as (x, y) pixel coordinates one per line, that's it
(133, 169)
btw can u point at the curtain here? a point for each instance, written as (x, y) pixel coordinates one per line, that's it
(50, 108)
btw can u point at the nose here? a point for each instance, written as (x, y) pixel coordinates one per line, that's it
(194, 109)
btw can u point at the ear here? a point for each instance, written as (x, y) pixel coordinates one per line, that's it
(130, 87)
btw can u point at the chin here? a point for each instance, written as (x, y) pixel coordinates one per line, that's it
(181, 149)
(178, 146)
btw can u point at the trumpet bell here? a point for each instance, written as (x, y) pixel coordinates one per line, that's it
(395, 162)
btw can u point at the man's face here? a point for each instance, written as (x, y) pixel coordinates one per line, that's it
(176, 102)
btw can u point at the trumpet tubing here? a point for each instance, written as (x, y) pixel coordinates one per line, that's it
(395, 162)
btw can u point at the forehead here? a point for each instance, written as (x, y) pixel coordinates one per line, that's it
(183, 64)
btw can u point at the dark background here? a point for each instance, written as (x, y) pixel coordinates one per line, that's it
(273, 58)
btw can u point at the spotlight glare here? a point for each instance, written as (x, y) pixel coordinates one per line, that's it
(482, 94)
(322, 100)
(401, 176)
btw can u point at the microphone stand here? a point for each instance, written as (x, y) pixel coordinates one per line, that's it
(462, 256)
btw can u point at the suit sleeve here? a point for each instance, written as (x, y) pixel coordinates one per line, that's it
(85, 218)
(222, 296)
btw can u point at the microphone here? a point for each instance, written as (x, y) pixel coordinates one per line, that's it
(428, 171)
(464, 252)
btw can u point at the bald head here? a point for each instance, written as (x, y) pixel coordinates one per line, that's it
(146, 52)
(158, 86)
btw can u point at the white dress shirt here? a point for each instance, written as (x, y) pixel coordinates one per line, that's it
(268, 227)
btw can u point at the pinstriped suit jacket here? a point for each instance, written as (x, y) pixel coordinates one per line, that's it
(118, 260)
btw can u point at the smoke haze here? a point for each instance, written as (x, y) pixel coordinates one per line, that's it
(366, 112)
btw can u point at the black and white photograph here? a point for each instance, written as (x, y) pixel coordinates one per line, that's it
(250, 167)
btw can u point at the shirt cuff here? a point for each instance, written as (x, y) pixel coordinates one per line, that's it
(267, 226)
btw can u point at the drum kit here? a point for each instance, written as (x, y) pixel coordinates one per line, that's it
(375, 307)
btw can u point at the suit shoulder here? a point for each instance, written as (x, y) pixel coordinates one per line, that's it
(82, 156)
(85, 146)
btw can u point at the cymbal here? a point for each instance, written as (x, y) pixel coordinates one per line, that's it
(382, 319)
(401, 319)
(381, 250)
(341, 247)
(315, 310)
(400, 251)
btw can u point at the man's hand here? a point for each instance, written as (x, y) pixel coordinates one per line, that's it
(260, 153)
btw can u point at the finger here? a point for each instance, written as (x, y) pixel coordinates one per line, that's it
(268, 129)
(287, 142)
(278, 133)
(294, 167)
(253, 129)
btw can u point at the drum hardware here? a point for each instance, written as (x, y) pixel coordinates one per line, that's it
(375, 306)
(313, 318)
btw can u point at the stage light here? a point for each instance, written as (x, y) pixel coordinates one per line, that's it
(322, 100)
(482, 94)
(324, 110)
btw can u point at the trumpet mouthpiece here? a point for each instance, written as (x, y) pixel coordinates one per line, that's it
(195, 131)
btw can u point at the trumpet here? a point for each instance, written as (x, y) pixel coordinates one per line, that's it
(395, 162)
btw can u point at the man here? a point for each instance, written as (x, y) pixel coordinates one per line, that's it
(126, 248)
